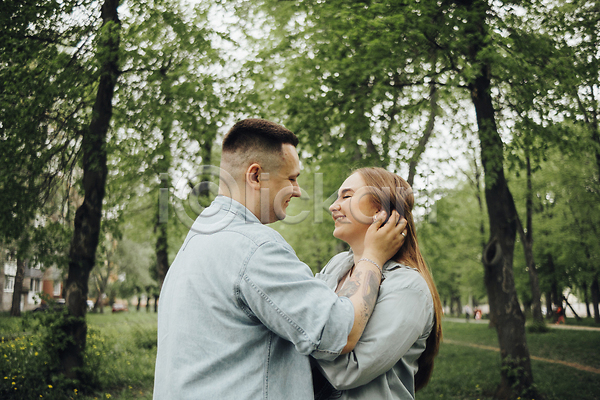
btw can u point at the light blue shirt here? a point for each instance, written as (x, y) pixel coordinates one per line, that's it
(239, 314)
(384, 361)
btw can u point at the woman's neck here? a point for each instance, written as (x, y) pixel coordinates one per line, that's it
(357, 251)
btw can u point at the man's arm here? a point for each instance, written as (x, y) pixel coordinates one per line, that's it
(362, 286)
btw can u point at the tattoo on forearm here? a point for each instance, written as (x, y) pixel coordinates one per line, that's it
(351, 286)
(369, 290)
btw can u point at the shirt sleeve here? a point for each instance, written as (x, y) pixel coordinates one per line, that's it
(399, 319)
(280, 290)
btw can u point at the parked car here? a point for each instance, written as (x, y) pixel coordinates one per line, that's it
(52, 306)
(119, 307)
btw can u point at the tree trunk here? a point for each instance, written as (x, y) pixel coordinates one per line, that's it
(549, 313)
(527, 239)
(161, 248)
(82, 254)
(98, 305)
(505, 311)
(572, 309)
(595, 298)
(15, 309)
(422, 145)
(163, 165)
(554, 292)
(586, 299)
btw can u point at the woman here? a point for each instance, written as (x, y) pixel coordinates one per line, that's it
(394, 356)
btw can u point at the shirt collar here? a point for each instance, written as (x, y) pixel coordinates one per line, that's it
(228, 204)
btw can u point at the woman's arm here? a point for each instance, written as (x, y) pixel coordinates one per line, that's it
(400, 318)
(368, 288)
(381, 243)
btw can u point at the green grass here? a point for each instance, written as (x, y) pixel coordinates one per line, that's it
(126, 344)
(121, 349)
(466, 373)
(132, 354)
(581, 322)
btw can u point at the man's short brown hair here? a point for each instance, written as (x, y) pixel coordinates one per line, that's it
(257, 134)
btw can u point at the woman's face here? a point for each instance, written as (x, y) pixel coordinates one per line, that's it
(353, 210)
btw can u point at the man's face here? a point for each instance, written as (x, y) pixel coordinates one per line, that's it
(280, 185)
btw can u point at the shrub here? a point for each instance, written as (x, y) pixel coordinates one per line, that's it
(537, 327)
(145, 338)
(29, 363)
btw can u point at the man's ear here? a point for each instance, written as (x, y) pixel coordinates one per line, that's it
(253, 176)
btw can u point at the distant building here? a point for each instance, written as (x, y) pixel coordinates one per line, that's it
(35, 282)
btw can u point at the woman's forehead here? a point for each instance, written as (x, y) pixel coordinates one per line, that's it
(354, 182)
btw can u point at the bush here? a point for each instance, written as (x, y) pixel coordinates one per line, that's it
(537, 327)
(119, 357)
(29, 363)
(145, 338)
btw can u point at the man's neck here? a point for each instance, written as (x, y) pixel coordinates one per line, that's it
(241, 198)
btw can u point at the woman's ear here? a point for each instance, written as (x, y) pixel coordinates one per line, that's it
(253, 176)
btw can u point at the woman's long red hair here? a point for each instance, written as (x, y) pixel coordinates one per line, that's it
(391, 192)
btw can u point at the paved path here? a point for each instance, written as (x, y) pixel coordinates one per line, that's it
(551, 326)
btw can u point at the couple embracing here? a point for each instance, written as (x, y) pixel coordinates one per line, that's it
(241, 317)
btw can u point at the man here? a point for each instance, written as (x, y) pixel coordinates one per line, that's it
(239, 312)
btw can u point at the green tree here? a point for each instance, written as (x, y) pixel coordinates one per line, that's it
(577, 30)
(569, 215)
(361, 69)
(451, 244)
(88, 217)
(170, 96)
(40, 41)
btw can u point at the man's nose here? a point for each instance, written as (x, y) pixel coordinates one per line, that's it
(296, 192)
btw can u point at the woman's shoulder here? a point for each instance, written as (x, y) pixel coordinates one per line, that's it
(399, 275)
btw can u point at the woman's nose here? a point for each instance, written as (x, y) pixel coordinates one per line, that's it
(334, 206)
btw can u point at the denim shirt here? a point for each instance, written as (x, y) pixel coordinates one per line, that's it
(239, 314)
(384, 361)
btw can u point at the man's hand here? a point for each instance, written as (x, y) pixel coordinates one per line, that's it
(382, 242)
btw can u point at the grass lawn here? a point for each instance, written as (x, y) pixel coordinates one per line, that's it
(124, 345)
(132, 335)
(461, 372)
